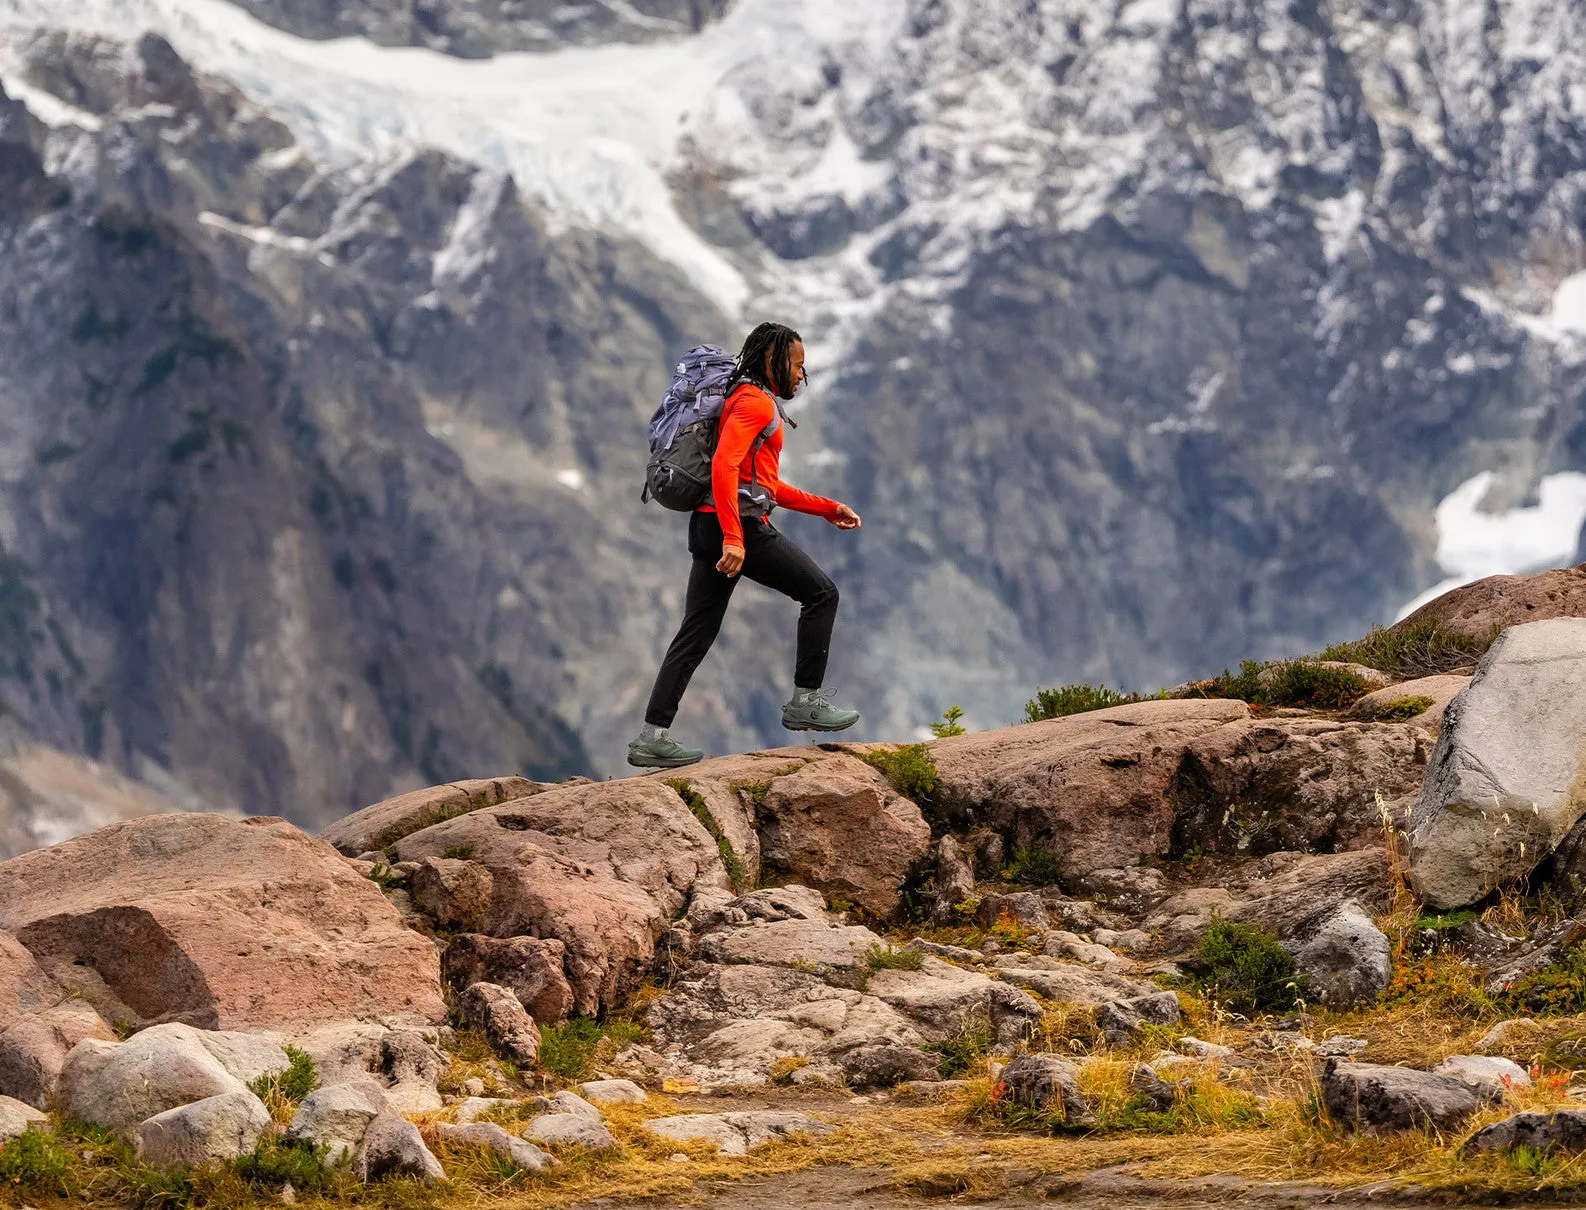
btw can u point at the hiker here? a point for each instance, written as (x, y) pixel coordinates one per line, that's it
(730, 535)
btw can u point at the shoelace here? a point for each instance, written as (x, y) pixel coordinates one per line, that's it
(820, 697)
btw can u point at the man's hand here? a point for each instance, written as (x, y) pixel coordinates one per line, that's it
(846, 518)
(731, 561)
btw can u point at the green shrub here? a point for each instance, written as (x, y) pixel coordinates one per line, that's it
(910, 770)
(1426, 648)
(277, 1161)
(1447, 920)
(885, 958)
(458, 852)
(1308, 683)
(1033, 867)
(950, 725)
(1244, 685)
(292, 1085)
(961, 1055)
(36, 1162)
(1554, 991)
(1078, 699)
(1248, 969)
(1402, 709)
(737, 874)
(569, 1050)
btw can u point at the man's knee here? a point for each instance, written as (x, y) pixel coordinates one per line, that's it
(824, 597)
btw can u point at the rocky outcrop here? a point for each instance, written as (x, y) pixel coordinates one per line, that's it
(385, 823)
(1440, 690)
(1507, 780)
(532, 968)
(1396, 1098)
(1348, 960)
(601, 868)
(495, 1012)
(394, 1147)
(220, 923)
(335, 1117)
(837, 825)
(1563, 1129)
(215, 1129)
(1479, 610)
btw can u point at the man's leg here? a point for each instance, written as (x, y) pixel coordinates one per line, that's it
(705, 605)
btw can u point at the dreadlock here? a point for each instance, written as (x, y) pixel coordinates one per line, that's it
(777, 340)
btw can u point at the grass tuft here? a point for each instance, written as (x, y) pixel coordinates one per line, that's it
(1079, 699)
(1033, 867)
(910, 771)
(1426, 648)
(1313, 685)
(35, 1162)
(282, 1090)
(737, 873)
(885, 958)
(965, 1054)
(571, 1050)
(1248, 970)
(1402, 709)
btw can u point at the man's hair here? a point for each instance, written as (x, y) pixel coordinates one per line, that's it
(777, 340)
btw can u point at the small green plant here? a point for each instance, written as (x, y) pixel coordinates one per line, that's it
(1531, 1161)
(910, 770)
(290, 1085)
(965, 1053)
(1244, 685)
(1033, 867)
(885, 958)
(1312, 684)
(570, 1050)
(277, 1161)
(35, 1162)
(1078, 699)
(1423, 648)
(1558, 990)
(1448, 920)
(950, 724)
(458, 852)
(385, 877)
(1402, 709)
(1247, 969)
(737, 874)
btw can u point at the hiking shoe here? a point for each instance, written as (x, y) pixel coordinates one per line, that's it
(663, 752)
(815, 713)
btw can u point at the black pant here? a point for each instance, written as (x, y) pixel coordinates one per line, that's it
(769, 559)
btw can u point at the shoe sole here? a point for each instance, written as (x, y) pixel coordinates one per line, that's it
(787, 726)
(655, 762)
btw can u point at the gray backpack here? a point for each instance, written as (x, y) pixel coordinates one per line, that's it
(683, 436)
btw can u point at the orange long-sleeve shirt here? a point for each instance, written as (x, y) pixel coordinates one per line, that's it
(744, 417)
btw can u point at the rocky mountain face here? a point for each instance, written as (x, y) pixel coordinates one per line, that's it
(478, 28)
(1147, 336)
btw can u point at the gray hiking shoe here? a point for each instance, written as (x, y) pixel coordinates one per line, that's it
(662, 752)
(815, 713)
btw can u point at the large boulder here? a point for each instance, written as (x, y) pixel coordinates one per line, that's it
(385, 823)
(1348, 961)
(1507, 779)
(532, 968)
(1563, 1129)
(24, 987)
(1048, 1083)
(838, 826)
(217, 922)
(1481, 608)
(1093, 788)
(120, 1084)
(1395, 1098)
(602, 867)
(214, 1129)
(394, 1147)
(336, 1116)
(498, 1014)
(34, 1046)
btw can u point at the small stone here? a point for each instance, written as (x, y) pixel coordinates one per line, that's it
(1204, 1050)
(570, 1129)
(1341, 1047)
(990, 946)
(288, 1194)
(1486, 1072)
(613, 1092)
(474, 1086)
(17, 1116)
(677, 1157)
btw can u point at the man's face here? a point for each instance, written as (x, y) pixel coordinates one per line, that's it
(796, 365)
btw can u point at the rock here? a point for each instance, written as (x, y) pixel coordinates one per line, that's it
(798, 943)
(955, 880)
(408, 1097)
(736, 1133)
(954, 953)
(394, 1147)
(246, 1056)
(216, 1128)
(344, 1051)
(1563, 1129)
(1507, 780)
(602, 867)
(119, 1084)
(1374, 678)
(1144, 1081)
(1135, 889)
(1022, 907)
(496, 1013)
(336, 1117)
(1499, 602)
(1093, 787)
(16, 1116)
(1341, 1046)
(1118, 1020)
(1197, 1049)
(1349, 960)
(943, 1002)
(570, 1130)
(1048, 1083)
(474, 1087)
(1066, 983)
(1132, 940)
(375, 827)
(406, 1055)
(34, 1046)
(525, 1155)
(221, 923)
(1440, 689)
(530, 967)
(1505, 1033)
(1485, 1073)
(883, 1064)
(477, 1106)
(569, 1102)
(456, 894)
(1063, 944)
(24, 987)
(837, 825)
(1395, 1098)
(613, 1092)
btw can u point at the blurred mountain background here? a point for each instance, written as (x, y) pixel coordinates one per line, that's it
(1147, 337)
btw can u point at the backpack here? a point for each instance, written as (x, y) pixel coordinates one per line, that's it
(683, 434)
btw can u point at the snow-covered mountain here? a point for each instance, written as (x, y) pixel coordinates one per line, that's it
(1147, 336)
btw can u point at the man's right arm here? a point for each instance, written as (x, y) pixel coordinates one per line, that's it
(740, 425)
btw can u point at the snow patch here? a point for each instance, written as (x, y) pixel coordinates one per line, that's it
(1472, 544)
